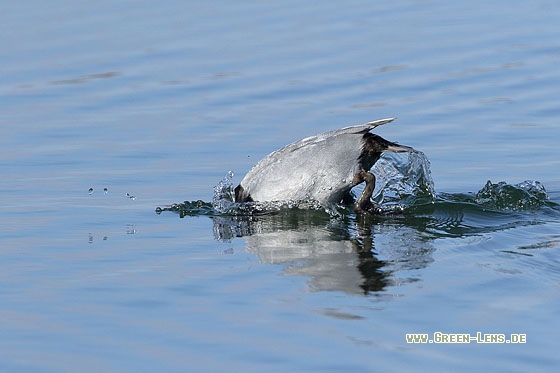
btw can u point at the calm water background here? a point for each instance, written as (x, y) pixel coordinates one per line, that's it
(160, 101)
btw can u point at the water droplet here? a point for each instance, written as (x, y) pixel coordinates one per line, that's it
(90, 191)
(105, 190)
(131, 196)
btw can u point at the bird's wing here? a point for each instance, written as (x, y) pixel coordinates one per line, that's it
(362, 128)
(333, 154)
(359, 129)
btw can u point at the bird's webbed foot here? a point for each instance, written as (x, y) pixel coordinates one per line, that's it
(364, 204)
(368, 207)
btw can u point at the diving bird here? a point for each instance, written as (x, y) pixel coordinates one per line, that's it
(323, 168)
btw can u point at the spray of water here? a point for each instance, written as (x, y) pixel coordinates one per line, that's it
(403, 180)
(503, 196)
(224, 197)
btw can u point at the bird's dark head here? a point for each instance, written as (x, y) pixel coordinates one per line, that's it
(372, 147)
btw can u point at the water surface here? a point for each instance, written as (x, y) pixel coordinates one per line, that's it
(160, 102)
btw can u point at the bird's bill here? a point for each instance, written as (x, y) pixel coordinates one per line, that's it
(396, 148)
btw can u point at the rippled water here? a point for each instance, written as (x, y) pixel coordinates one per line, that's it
(112, 109)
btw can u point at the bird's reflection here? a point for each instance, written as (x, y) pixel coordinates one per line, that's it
(364, 253)
(353, 254)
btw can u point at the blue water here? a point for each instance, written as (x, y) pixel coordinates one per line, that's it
(160, 101)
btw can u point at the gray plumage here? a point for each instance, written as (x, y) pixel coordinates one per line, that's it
(323, 168)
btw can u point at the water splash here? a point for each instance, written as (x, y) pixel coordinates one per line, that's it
(403, 180)
(189, 208)
(527, 195)
(224, 196)
(223, 202)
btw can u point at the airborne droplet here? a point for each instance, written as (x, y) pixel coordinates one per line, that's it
(90, 191)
